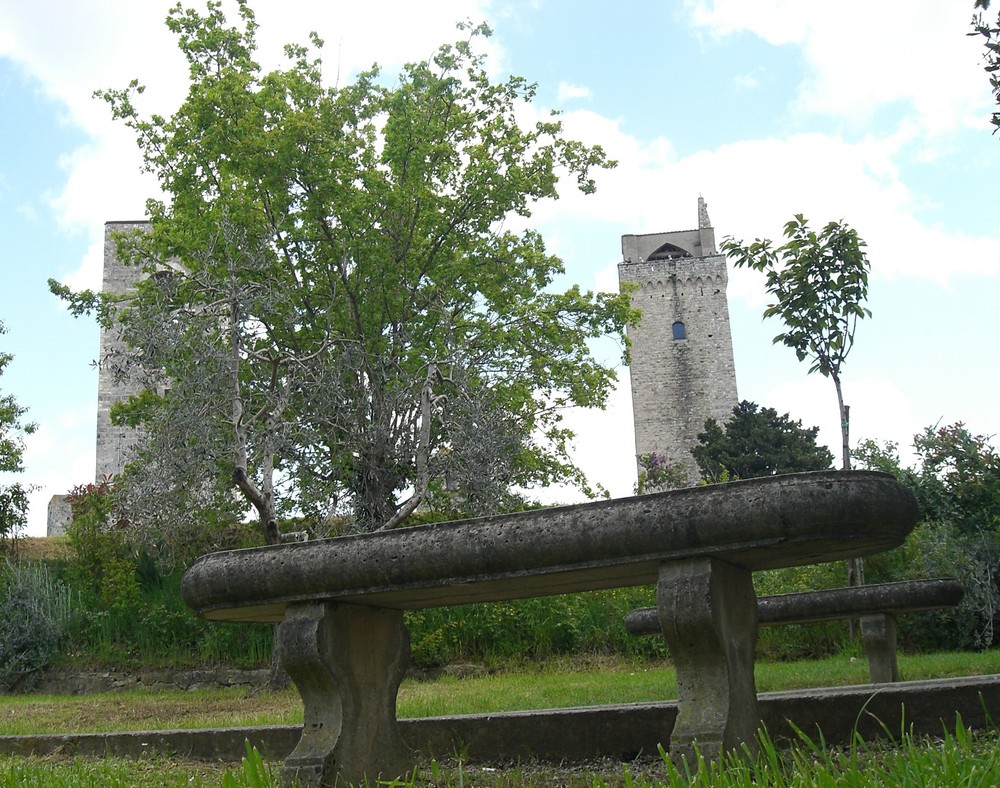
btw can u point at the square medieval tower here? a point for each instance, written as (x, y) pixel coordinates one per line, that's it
(682, 367)
(115, 382)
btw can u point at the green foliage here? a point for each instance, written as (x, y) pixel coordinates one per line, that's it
(13, 510)
(105, 565)
(956, 482)
(820, 283)
(959, 758)
(347, 318)
(107, 772)
(253, 772)
(35, 610)
(531, 629)
(981, 26)
(959, 478)
(758, 442)
(657, 474)
(159, 630)
(13, 428)
(129, 610)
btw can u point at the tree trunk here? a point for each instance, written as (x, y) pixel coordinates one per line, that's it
(845, 424)
(855, 566)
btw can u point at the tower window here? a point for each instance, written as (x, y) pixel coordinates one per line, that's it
(680, 332)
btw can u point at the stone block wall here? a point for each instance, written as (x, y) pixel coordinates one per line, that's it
(114, 382)
(59, 516)
(678, 383)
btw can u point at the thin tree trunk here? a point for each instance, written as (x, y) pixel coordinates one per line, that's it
(845, 425)
(855, 566)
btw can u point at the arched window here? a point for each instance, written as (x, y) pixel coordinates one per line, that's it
(669, 252)
(680, 332)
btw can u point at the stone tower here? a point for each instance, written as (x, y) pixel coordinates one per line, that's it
(682, 367)
(114, 442)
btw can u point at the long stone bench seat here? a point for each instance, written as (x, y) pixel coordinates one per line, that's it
(877, 605)
(340, 601)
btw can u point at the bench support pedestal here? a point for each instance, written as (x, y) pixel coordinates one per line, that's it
(878, 636)
(708, 613)
(347, 662)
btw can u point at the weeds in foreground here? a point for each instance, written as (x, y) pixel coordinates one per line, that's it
(959, 758)
(955, 759)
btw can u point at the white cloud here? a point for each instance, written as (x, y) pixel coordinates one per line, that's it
(881, 410)
(59, 456)
(746, 81)
(864, 56)
(568, 92)
(604, 448)
(754, 186)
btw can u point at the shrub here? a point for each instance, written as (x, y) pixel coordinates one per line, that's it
(801, 641)
(532, 629)
(105, 565)
(941, 550)
(34, 612)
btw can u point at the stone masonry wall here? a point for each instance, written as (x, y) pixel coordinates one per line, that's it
(678, 384)
(114, 442)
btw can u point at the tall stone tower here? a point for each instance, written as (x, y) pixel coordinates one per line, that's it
(114, 442)
(682, 367)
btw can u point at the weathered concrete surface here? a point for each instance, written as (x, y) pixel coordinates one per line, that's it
(877, 605)
(907, 596)
(923, 707)
(708, 615)
(755, 524)
(347, 662)
(878, 638)
(700, 544)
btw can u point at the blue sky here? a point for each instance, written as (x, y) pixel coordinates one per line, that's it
(767, 108)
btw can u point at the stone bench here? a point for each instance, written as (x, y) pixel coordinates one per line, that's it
(340, 601)
(876, 605)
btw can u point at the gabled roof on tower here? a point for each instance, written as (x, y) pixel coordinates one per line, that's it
(674, 245)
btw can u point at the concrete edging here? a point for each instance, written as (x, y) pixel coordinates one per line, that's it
(577, 734)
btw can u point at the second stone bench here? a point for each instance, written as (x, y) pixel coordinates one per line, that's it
(876, 605)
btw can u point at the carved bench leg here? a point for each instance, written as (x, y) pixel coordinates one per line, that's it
(708, 613)
(878, 636)
(347, 662)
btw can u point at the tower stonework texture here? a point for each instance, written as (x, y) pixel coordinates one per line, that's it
(113, 385)
(682, 368)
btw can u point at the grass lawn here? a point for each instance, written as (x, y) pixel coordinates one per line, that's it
(557, 683)
(971, 760)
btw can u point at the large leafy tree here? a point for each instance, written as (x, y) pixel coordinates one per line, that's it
(347, 322)
(756, 442)
(13, 428)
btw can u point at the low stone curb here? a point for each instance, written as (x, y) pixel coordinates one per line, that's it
(621, 731)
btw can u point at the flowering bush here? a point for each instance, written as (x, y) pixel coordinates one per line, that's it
(657, 473)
